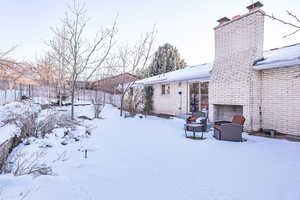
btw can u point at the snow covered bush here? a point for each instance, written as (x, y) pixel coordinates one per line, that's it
(98, 103)
(23, 163)
(10, 112)
(134, 100)
(148, 92)
(22, 114)
(51, 119)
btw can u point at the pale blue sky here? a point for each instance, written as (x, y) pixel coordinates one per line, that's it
(186, 24)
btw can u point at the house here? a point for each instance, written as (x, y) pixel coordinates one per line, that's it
(82, 85)
(111, 86)
(14, 75)
(180, 92)
(264, 86)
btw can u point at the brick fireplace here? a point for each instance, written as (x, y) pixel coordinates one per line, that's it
(235, 86)
(226, 112)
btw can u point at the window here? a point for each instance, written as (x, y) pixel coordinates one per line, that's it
(131, 92)
(198, 96)
(204, 96)
(165, 89)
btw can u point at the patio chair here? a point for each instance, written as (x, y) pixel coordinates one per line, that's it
(230, 131)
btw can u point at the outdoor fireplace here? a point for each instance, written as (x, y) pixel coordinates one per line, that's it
(226, 112)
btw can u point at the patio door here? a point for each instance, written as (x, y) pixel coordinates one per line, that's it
(198, 99)
(194, 97)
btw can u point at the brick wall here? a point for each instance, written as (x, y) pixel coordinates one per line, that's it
(281, 99)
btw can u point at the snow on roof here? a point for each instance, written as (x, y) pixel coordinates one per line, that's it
(198, 72)
(279, 57)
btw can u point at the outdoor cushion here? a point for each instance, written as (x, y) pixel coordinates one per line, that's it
(238, 119)
(217, 126)
(191, 119)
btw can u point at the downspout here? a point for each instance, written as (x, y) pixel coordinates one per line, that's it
(187, 97)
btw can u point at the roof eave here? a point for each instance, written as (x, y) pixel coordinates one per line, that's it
(278, 64)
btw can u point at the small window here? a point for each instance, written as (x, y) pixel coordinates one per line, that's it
(131, 92)
(165, 89)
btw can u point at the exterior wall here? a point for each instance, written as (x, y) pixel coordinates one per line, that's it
(234, 82)
(171, 103)
(281, 100)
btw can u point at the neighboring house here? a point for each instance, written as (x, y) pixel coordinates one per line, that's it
(15, 75)
(79, 84)
(264, 86)
(16, 80)
(111, 86)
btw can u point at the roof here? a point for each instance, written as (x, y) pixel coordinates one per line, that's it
(275, 58)
(190, 73)
(280, 57)
(109, 84)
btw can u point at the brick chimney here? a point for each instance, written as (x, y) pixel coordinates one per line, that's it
(255, 6)
(223, 20)
(234, 87)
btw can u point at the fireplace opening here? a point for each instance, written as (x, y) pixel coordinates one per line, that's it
(226, 112)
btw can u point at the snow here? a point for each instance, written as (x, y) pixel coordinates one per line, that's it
(7, 96)
(281, 57)
(8, 113)
(150, 158)
(8, 131)
(191, 73)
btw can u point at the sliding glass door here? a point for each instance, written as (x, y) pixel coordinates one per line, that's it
(198, 96)
(194, 97)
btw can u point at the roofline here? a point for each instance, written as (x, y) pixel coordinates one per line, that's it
(288, 63)
(280, 63)
(204, 78)
(239, 18)
(115, 76)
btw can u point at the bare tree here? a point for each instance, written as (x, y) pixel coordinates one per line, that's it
(82, 57)
(60, 56)
(295, 24)
(45, 68)
(98, 103)
(11, 71)
(5, 55)
(134, 58)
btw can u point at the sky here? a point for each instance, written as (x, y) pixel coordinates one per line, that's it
(186, 24)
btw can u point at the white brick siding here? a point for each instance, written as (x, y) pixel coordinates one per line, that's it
(234, 82)
(281, 100)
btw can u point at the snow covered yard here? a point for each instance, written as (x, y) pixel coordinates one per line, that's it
(150, 159)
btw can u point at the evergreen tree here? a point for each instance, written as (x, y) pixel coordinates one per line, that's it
(166, 59)
(148, 105)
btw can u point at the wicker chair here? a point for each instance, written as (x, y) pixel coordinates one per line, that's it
(230, 131)
(202, 128)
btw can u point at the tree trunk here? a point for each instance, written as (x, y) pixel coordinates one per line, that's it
(60, 98)
(72, 101)
(121, 107)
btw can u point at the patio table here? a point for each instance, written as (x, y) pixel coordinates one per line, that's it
(194, 127)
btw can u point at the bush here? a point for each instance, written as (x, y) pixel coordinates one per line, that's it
(148, 92)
